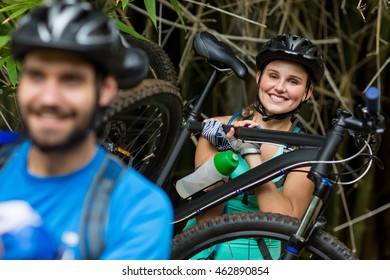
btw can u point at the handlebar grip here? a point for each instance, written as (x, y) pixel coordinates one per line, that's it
(372, 100)
(195, 126)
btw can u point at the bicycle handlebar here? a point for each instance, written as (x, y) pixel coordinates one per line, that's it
(370, 122)
(372, 100)
(268, 135)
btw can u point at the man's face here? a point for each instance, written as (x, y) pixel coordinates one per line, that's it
(56, 98)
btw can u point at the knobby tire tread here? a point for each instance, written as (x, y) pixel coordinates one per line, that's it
(162, 95)
(159, 60)
(195, 239)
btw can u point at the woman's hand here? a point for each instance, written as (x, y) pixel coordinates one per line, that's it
(246, 123)
(244, 148)
(213, 132)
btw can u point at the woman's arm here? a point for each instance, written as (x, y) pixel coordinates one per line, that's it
(205, 151)
(297, 188)
(294, 197)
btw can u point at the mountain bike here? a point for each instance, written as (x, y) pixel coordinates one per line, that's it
(143, 119)
(142, 125)
(305, 238)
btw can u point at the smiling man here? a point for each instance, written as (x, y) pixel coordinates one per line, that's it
(71, 59)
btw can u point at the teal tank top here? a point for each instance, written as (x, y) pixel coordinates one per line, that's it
(246, 202)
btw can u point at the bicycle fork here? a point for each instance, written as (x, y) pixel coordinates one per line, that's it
(312, 220)
(310, 223)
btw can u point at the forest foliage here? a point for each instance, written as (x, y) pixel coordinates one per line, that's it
(353, 37)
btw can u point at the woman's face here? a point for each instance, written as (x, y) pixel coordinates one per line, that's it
(283, 86)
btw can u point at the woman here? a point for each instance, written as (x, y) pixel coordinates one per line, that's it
(288, 67)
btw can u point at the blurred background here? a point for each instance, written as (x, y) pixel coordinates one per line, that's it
(352, 35)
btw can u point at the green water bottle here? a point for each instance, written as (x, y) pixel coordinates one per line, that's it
(241, 168)
(209, 173)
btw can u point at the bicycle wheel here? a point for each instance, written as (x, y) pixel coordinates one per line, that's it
(140, 126)
(160, 65)
(203, 241)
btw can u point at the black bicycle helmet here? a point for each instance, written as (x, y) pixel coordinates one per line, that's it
(81, 29)
(295, 48)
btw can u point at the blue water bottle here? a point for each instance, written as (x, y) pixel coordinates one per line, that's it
(22, 235)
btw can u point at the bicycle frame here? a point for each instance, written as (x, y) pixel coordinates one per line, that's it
(185, 132)
(217, 53)
(308, 152)
(247, 181)
(261, 174)
(314, 151)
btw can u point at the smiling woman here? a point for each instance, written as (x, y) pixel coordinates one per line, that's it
(288, 66)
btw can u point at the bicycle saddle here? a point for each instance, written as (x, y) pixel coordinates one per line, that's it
(207, 46)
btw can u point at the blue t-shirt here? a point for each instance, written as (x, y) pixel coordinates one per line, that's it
(139, 219)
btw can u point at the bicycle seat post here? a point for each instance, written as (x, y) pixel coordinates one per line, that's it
(184, 133)
(197, 110)
(221, 58)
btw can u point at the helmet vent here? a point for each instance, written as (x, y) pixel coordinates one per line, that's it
(295, 48)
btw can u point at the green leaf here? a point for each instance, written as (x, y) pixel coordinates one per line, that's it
(124, 28)
(2, 61)
(4, 40)
(150, 6)
(178, 12)
(18, 13)
(17, 10)
(12, 73)
(124, 4)
(10, 8)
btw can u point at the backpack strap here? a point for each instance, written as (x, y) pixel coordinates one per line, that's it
(6, 151)
(95, 209)
(238, 113)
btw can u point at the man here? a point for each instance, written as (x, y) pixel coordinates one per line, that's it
(73, 59)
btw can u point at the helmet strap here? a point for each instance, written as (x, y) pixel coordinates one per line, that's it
(266, 117)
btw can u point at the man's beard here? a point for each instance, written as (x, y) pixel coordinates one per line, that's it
(72, 140)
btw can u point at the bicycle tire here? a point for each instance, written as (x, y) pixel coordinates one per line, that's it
(255, 225)
(160, 64)
(141, 125)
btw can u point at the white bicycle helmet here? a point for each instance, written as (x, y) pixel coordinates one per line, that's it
(81, 29)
